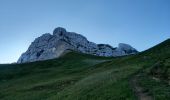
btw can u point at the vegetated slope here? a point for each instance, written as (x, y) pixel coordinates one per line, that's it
(78, 76)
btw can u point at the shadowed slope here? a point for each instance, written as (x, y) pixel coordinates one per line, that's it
(78, 76)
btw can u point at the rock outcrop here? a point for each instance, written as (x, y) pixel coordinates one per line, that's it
(53, 46)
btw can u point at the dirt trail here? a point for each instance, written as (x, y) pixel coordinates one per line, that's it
(140, 92)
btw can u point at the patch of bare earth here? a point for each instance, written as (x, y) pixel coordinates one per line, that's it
(140, 92)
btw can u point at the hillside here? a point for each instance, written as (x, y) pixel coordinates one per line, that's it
(77, 76)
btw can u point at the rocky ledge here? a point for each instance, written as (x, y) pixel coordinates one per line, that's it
(53, 46)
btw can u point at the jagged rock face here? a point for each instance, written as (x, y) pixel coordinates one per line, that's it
(53, 46)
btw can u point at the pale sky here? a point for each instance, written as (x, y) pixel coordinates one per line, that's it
(140, 23)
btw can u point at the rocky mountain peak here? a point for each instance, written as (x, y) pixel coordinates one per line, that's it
(59, 31)
(127, 48)
(53, 46)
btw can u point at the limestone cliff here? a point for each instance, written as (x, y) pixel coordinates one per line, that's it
(50, 46)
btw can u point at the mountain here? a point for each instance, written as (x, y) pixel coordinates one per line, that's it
(78, 76)
(53, 46)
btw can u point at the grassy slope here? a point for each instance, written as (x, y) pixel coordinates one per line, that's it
(156, 78)
(84, 77)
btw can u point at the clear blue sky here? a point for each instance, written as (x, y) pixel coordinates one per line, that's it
(141, 23)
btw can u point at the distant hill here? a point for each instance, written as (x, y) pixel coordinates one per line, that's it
(77, 76)
(53, 46)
